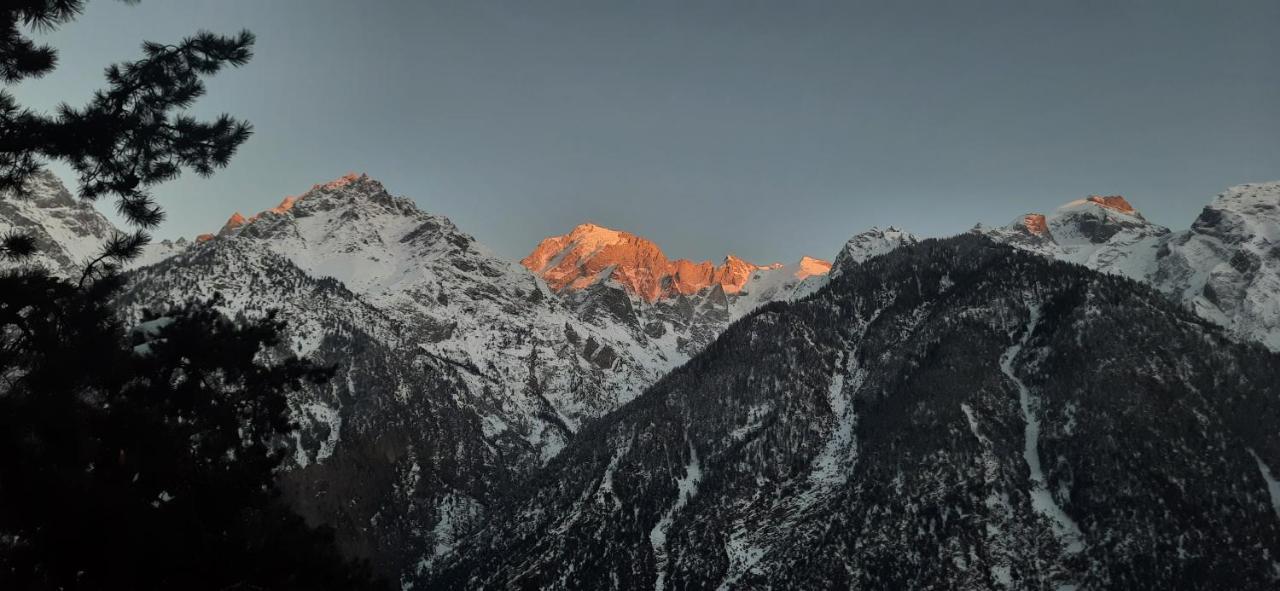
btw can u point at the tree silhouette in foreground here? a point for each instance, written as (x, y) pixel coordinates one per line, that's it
(138, 458)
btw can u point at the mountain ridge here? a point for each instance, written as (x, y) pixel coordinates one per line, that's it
(590, 253)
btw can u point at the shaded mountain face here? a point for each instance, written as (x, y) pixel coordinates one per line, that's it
(397, 452)
(1226, 266)
(954, 414)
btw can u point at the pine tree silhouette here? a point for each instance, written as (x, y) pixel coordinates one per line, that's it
(138, 458)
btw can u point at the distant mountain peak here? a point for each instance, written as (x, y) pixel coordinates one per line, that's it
(810, 266)
(591, 253)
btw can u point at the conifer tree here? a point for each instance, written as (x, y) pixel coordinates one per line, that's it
(138, 458)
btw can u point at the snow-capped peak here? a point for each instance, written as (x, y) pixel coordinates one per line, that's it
(870, 243)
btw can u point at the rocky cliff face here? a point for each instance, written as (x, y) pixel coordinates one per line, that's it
(955, 414)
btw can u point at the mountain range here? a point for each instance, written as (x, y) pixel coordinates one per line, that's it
(600, 416)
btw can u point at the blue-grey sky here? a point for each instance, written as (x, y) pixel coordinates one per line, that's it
(766, 129)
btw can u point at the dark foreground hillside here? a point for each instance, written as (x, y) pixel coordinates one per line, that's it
(955, 414)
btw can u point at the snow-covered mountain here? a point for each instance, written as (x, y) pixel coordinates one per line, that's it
(68, 232)
(1226, 266)
(955, 414)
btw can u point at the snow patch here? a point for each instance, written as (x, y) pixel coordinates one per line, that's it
(686, 488)
(1042, 500)
(1273, 484)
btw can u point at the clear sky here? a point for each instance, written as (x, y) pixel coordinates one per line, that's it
(766, 129)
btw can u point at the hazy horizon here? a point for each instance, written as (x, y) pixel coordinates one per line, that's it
(766, 131)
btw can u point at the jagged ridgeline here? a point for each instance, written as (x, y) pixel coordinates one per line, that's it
(954, 414)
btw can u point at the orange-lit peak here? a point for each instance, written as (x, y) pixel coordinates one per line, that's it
(284, 206)
(204, 237)
(1036, 224)
(591, 253)
(235, 221)
(341, 181)
(810, 266)
(1115, 202)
